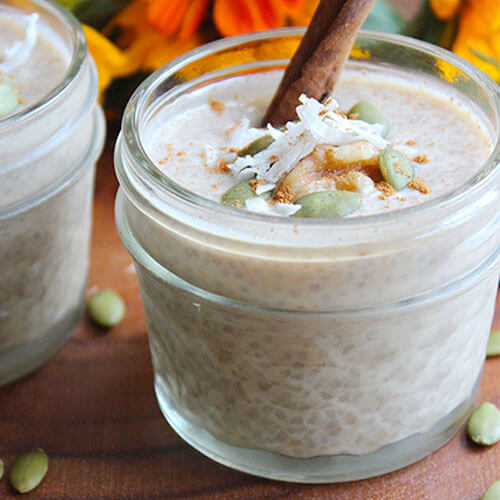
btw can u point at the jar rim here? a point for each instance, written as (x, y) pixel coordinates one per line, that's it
(152, 177)
(436, 295)
(78, 57)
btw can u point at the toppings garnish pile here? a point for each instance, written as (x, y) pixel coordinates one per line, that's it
(320, 165)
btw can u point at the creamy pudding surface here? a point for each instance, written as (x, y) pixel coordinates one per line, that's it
(40, 61)
(436, 131)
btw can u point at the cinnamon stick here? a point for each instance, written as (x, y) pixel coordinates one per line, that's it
(320, 58)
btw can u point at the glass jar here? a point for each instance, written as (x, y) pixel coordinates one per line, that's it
(49, 149)
(311, 350)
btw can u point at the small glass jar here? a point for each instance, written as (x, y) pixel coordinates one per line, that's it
(311, 350)
(48, 150)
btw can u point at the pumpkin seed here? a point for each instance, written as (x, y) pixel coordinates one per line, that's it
(239, 193)
(28, 470)
(106, 308)
(2, 468)
(395, 168)
(493, 348)
(8, 96)
(257, 146)
(483, 426)
(328, 204)
(493, 492)
(368, 112)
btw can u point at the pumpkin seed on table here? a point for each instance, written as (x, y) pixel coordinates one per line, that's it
(8, 96)
(483, 426)
(328, 204)
(493, 348)
(395, 168)
(493, 492)
(256, 146)
(368, 112)
(106, 308)
(28, 470)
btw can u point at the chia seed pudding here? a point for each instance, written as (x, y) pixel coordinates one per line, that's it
(49, 143)
(320, 349)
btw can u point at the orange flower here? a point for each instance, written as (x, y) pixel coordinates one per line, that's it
(149, 33)
(176, 16)
(231, 17)
(145, 45)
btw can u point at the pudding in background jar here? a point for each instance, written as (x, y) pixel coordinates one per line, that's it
(51, 134)
(313, 349)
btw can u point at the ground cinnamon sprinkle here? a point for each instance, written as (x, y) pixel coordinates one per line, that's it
(421, 159)
(386, 189)
(419, 185)
(220, 168)
(229, 131)
(255, 182)
(217, 106)
(341, 113)
(283, 195)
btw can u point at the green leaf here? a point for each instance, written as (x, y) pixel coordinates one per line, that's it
(384, 17)
(95, 13)
(69, 4)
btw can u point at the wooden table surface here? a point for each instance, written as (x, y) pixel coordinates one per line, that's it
(92, 408)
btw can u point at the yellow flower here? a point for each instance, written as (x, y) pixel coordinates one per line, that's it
(445, 9)
(111, 62)
(478, 37)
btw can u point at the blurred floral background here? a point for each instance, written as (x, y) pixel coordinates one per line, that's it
(129, 39)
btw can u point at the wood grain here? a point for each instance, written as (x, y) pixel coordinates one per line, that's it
(92, 408)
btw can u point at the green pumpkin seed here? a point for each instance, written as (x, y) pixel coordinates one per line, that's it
(257, 146)
(28, 470)
(483, 426)
(369, 113)
(238, 194)
(395, 168)
(8, 97)
(493, 492)
(328, 204)
(493, 348)
(106, 308)
(2, 468)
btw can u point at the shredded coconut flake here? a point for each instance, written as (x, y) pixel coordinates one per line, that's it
(264, 188)
(261, 206)
(319, 123)
(15, 55)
